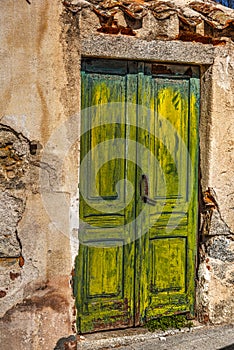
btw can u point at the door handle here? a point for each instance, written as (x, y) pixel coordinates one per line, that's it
(144, 191)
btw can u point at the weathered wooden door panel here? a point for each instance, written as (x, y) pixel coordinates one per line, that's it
(166, 252)
(138, 192)
(105, 293)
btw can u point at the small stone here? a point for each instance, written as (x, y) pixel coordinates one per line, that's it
(80, 3)
(2, 293)
(10, 174)
(21, 261)
(162, 338)
(13, 275)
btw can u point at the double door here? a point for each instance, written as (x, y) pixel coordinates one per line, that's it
(138, 192)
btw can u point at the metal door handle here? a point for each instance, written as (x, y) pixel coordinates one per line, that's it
(144, 191)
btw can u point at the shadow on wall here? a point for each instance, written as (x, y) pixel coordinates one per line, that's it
(229, 347)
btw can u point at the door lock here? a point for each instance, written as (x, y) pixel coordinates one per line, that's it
(144, 191)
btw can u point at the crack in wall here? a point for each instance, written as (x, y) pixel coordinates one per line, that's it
(216, 256)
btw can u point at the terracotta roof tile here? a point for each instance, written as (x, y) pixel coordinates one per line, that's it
(218, 20)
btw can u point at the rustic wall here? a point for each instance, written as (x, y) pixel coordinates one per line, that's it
(38, 96)
(39, 132)
(215, 292)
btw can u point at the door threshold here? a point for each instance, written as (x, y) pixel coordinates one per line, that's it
(125, 337)
(114, 333)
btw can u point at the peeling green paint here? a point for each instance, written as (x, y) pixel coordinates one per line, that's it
(150, 274)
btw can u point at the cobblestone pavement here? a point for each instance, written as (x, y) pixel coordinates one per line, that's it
(199, 338)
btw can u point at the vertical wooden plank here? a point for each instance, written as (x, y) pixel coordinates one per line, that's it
(193, 187)
(129, 248)
(145, 161)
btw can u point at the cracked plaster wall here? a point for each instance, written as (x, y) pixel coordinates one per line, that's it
(215, 284)
(39, 106)
(39, 79)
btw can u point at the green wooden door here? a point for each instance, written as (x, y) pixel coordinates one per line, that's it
(138, 192)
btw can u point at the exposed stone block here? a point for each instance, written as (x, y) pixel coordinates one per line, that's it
(218, 226)
(221, 248)
(14, 153)
(11, 211)
(89, 22)
(14, 164)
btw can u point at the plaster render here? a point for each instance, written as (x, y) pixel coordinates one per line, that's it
(36, 295)
(222, 132)
(40, 82)
(215, 284)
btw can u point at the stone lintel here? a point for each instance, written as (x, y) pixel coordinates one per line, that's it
(119, 47)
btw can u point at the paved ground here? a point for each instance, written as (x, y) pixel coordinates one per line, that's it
(199, 338)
